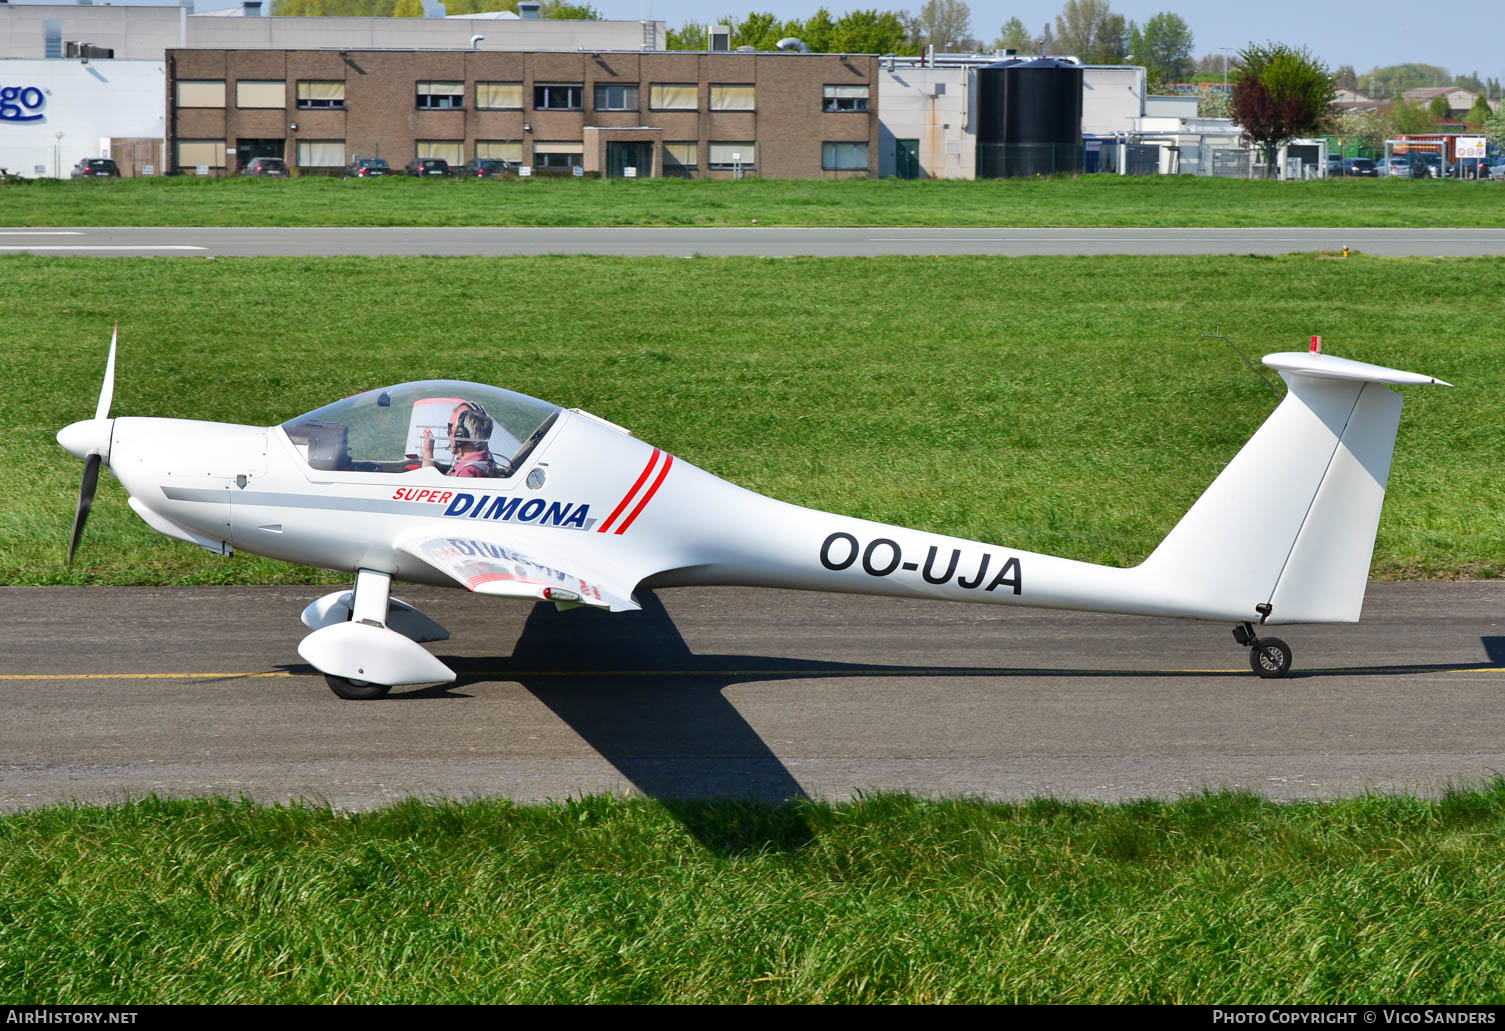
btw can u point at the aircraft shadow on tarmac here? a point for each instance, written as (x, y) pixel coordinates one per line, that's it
(630, 686)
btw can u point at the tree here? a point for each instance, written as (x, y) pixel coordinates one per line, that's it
(1282, 94)
(1346, 77)
(1411, 118)
(1479, 113)
(818, 32)
(1395, 79)
(1494, 127)
(1091, 31)
(689, 36)
(1014, 36)
(944, 24)
(564, 10)
(871, 32)
(408, 9)
(1163, 46)
(1370, 129)
(1213, 101)
(1440, 108)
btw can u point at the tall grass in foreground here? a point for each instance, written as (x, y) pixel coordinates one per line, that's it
(1092, 200)
(1220, 898)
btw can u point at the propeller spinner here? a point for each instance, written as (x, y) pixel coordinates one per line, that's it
(89, 439)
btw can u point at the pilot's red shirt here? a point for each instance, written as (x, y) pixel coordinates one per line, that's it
(477, 463)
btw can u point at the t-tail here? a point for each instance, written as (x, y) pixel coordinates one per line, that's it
(1286, 531)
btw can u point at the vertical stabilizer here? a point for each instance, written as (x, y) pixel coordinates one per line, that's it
(1290, 523)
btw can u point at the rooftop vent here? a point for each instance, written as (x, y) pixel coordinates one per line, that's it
(721, 38)
(528, 9)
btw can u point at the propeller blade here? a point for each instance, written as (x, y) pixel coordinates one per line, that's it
(85, 500)
(107, 389)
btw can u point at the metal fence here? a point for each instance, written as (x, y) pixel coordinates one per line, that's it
(1025, 160)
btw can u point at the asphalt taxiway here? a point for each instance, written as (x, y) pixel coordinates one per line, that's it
(114, 693)
(758, 241)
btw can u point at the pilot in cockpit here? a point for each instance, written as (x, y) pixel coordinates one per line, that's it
(469, 436)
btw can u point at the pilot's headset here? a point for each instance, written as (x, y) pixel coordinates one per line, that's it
(469, 424)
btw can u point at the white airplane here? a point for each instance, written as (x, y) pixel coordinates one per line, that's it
(463, 485)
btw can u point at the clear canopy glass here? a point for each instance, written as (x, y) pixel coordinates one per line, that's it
(443, 423)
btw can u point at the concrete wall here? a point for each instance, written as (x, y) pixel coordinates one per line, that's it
(145, 33)
(931, 105)
(1112, 98)
(87, 103)
(134, 33)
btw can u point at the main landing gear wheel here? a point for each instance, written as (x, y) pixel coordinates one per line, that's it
(358, 690)
(1270, 657)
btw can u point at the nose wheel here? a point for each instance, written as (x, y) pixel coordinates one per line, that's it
(1270, 657)
(355, 690)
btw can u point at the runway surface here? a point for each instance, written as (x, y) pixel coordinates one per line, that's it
(722, 242)
(112, 693)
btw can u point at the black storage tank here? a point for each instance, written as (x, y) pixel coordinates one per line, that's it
(1029, 118)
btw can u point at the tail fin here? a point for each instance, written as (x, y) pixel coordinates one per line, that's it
(1290, 523)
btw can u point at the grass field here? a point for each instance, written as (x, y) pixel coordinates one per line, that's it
(1215, 898)
(1063, 405)
(1098, 200)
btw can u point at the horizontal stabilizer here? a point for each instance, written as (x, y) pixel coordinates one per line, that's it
(1326, 366)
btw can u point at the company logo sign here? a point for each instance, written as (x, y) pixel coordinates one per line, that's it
(16, 103)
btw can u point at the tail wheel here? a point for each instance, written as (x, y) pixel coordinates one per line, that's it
(1270, 657)
(355, 690)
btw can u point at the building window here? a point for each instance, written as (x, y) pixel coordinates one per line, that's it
(452, 151)
(261, 93)
(679, 158)
(617, 98)
(558, 155)
(441, 96)
(510, 151)
(559, 96)
(844, 98)
(321, 153)
(201, 93)
(673, 96)
(731, 98)
(499, 96)
(192, 153)
(314, 94)
(733, 155)
(843, 157)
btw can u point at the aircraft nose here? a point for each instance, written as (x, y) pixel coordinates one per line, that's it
(81, 438)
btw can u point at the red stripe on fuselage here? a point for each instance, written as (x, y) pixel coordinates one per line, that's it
(657, 483)
(627, 498)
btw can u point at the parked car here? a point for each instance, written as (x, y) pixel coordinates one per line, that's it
(1334, 165)
(95, 168)
(272, 167)
(367, 168)
(481, 168)
(1426, 166)
(425, 167)
(1361, 167)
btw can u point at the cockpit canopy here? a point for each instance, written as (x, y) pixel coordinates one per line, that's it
(387, 430)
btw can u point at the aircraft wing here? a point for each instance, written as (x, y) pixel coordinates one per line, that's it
(516, 565)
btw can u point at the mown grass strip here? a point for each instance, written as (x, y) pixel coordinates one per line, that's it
(1096, 200)
(1212, 898)
(1063, 405)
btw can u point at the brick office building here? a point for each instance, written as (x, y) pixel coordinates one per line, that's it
(776, 115)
